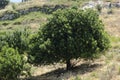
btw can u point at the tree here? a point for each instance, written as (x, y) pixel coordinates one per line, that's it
(3, 3)
(70, 34)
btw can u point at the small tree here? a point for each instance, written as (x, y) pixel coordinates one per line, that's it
(70, 34)
(3, 3)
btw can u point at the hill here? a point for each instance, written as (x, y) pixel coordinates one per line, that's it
(105, 68)
(31, 14)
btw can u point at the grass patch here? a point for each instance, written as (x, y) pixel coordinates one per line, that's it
(115, 42)
(33, 19)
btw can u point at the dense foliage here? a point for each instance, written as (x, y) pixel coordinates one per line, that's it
(3, 3)
(12, 64)
(13, 55)
(17, 39)
(70, 34)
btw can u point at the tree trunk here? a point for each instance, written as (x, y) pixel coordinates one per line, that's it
(68, 64)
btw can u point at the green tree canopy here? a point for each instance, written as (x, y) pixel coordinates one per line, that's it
(70, 34)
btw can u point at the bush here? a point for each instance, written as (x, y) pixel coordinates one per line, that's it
(99, 8)
(17, 39)
(70, 34)
(5, 23)
(12, 64)
(3, 3)
(110, 11)
(2, 42)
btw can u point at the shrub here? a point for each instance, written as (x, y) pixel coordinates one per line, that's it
(5, 23)
(2, 43)
(14, 6)
(12, 64)
(99, 8)
(3, 3)
(70, 34)
(17, 23)
(110, 11)
(17, 39)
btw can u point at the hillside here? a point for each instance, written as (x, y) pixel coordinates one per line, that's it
(32, 14)
(107, 67)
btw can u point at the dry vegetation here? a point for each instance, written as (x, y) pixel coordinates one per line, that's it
(105, 68)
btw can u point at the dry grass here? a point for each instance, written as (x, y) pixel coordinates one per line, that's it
(29, 4)
(112, 22)
(112, 26)
(39, 3)
(105, 68)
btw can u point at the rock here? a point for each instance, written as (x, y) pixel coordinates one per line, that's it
(47, 9)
